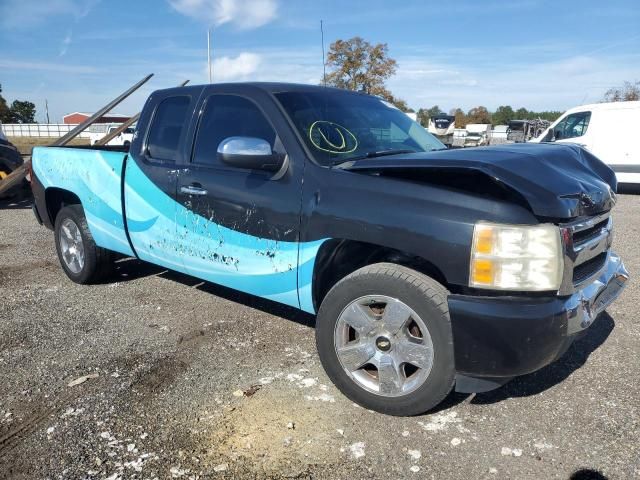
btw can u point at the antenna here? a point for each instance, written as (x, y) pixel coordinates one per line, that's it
(209, 56)
(324, 65)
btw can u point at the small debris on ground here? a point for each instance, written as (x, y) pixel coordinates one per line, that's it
(221, 468)
(506, 451)
(415, 454)
(82, 379)
(357, 450)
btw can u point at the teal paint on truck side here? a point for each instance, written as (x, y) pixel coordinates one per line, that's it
(94, 177)
(166, 233)
(181, 240)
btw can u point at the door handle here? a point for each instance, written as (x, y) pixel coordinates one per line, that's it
(193, 190)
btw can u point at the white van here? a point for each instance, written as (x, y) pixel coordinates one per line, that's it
(608, 130)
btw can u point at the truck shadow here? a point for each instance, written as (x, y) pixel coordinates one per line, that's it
(128, 269)
(547, 377)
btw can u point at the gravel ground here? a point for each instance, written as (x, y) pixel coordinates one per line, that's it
(185, 379)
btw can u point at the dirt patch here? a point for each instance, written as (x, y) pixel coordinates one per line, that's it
(9, 271)
(30, 415)
(160, 376)
(277, 431)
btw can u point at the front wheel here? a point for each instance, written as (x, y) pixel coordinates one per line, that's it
(81, 259)
(384, 338)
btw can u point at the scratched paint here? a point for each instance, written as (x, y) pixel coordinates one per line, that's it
(182, 240)
(166, 233)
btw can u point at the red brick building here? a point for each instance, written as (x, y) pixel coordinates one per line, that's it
(79, 117)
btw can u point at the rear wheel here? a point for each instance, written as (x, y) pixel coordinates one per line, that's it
(81, 259)
(384, 338)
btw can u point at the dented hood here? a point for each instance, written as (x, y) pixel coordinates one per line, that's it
(558, 181)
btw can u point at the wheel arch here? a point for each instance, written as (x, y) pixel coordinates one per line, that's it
(338, 258)
(58, 198)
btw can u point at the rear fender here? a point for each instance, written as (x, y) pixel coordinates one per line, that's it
(95, 178)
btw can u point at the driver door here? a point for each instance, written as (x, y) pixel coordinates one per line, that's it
(237, 227)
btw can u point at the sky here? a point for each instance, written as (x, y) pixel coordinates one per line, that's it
(542, 55)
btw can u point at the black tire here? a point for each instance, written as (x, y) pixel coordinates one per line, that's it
(427, 298)
(98, 262)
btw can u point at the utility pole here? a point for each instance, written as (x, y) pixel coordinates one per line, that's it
(46, 107)
(209, 55)
(324, 65)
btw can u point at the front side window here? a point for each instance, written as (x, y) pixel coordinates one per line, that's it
(166, 128)
(342, 126)
(227, 116)
(572, 126)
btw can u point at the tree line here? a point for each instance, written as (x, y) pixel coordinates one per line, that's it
(502, 116)
(20, 111)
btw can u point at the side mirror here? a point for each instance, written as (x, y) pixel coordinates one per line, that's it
(249, 152)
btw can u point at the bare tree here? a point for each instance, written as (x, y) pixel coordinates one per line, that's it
(626, 93)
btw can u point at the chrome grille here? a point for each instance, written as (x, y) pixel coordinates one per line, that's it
(586, 248)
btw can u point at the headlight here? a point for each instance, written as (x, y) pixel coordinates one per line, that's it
(516, 257)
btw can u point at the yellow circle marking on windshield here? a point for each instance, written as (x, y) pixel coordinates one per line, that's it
(340, 130)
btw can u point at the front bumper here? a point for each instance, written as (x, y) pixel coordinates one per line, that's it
(498, 338)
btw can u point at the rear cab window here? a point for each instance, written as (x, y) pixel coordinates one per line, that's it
(168, 123)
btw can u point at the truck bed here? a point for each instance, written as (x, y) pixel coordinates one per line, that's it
(94, 175)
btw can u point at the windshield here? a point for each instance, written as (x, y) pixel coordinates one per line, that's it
(345, 126)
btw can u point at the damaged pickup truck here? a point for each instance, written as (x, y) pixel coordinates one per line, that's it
(427, 268)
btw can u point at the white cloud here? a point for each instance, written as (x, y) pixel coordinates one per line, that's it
(66, 42)
(241, 67)
(21, 14)
(245, 14)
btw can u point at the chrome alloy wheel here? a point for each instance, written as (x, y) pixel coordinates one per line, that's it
(383, 345)
(71, 246)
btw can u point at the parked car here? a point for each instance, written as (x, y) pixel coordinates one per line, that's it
(477, 134)
(426, 267)
(608, 130)
(99, 131)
